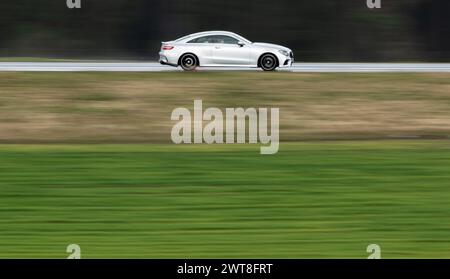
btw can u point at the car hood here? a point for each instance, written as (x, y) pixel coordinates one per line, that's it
(272, 46)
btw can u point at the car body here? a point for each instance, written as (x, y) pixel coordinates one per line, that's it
(223, 49)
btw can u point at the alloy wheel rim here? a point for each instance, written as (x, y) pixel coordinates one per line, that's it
(268, 62)
(188, 61)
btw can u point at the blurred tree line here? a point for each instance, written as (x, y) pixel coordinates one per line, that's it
(317, 30)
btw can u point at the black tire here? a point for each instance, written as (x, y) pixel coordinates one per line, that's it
(188, 62)
(268, 62)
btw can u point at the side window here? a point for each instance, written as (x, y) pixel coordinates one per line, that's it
(227, 40)
(202, 40)
(194, 41)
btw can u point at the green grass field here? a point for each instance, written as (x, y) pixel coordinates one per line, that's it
(312, 200)
(148, 198)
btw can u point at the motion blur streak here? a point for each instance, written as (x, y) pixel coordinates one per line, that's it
(317, 31)
(136, 107)
(312, 200)
(156, 67)
(86, 155)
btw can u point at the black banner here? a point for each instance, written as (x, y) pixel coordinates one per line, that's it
(225, 268)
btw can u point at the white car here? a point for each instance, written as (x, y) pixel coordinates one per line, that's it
(223, 49)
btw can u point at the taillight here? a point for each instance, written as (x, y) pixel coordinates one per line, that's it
(167, 47)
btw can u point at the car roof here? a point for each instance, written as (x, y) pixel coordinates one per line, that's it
(206, 33)
(217, 32)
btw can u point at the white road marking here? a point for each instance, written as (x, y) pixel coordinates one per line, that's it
(156, 67)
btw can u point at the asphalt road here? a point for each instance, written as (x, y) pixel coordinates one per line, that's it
(155, 67)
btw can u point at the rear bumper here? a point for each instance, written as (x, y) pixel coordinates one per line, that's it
(164, 61)
(167, 63)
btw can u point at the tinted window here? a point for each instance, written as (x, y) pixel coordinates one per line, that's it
(215, 39)
(202, 40)
(227, 40)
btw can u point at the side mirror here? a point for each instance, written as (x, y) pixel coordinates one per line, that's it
(241, 44)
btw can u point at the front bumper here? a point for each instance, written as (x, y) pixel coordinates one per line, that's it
(287, 61)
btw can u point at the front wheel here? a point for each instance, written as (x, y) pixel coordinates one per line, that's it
(188, 62)
(268, 62)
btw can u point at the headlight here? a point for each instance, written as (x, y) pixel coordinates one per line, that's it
(284, 52)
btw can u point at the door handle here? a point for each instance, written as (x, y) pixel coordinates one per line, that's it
(217, 47)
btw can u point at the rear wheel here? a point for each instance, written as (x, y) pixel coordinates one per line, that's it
(268, 62)
(188, 62)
